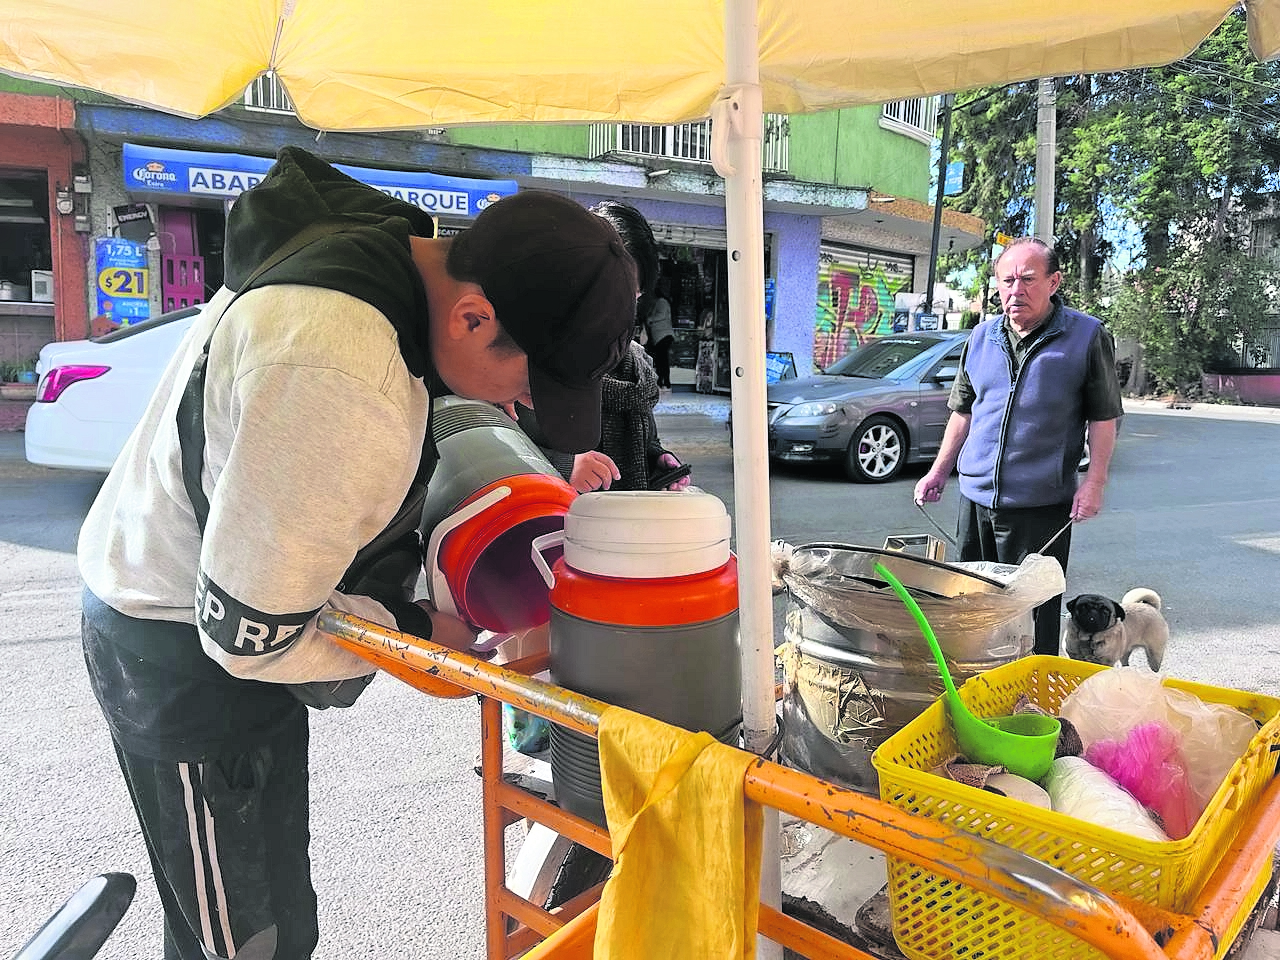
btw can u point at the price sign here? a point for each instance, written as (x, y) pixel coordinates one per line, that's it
(124, 282)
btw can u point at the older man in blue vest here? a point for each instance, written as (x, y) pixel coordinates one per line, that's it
(1031, 383)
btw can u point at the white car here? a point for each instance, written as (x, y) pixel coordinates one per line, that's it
(92, 393)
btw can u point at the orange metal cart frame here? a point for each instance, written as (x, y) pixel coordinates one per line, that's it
(1118, 928)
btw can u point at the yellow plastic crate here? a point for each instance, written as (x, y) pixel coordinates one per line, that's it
(936, 918)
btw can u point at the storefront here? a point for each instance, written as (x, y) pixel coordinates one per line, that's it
(695, 281)
(858, 289)
(176, 220)
(43, 187)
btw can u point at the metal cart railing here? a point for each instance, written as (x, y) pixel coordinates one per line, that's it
(1124, 930)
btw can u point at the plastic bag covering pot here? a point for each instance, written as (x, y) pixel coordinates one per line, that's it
(838, 581)
(1213, 736)
(855, 665)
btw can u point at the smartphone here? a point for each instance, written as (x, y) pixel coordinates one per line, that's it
(664, 480)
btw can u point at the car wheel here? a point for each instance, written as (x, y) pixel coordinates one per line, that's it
(878, 451)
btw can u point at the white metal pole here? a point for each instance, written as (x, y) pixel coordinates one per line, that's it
(740, 119)
(1046, 156)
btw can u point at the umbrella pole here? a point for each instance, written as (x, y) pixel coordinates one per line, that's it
(737, 124)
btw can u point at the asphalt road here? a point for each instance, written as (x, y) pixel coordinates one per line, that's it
(1193, 511)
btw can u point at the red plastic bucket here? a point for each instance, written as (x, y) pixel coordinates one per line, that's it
(485, 561)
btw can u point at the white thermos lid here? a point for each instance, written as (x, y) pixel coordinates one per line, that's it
(647, 534)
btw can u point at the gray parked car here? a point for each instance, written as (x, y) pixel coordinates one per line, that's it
(874, 410)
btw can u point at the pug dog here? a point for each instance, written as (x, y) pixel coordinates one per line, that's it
(1103, 631)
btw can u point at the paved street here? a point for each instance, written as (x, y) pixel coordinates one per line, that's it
(1193, 511)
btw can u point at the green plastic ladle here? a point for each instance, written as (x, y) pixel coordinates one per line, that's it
(1024, 743)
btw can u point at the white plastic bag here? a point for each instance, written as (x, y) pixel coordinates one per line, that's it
(1032, 582)
(815, 575)
(1109, 704)
(1079, 789)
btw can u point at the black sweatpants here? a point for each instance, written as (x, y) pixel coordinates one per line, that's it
(228, 843)
(1008, 536)
(226, 826)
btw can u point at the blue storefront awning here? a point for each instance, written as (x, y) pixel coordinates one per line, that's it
(226, 175)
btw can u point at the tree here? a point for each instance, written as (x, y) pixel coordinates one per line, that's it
(999, 171)
(1191, 145)
(1171, 159)
(1200, 310)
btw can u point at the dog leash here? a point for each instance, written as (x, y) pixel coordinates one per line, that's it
(952, 540)
(934, 523)
(1056, 536)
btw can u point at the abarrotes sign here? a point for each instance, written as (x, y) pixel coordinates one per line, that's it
(226, 175)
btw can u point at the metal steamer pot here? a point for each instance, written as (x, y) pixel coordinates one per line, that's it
(919, 574)
(849, 686)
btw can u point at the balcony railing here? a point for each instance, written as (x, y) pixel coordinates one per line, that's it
(267, 95)
(916, 118)
(686, 141)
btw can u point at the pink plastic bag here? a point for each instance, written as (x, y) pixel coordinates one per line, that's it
(1110, 703)
(1149, 764)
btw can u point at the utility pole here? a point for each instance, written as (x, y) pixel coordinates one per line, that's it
(1046, 156)
(948, 103)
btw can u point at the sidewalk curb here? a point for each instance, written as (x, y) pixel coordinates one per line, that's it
(717, 405)
(712, 405)
(1207, 411)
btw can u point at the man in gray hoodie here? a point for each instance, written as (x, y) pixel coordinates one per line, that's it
(279, 472)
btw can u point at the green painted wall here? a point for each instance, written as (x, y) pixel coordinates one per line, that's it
(847, 148)
(850, 149)
(33, 88)
(563, 139)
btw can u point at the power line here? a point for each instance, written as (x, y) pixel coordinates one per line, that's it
(1260, 114)
(1206, 68)
(1214, 108)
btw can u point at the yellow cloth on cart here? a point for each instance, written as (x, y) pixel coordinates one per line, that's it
(686, 844)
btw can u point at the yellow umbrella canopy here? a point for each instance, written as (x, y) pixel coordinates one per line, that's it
(394, 64)
(388, 64)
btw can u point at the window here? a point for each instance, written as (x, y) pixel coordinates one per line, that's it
(686, 141)
(881, 359)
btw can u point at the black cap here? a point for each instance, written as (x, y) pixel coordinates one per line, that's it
(564, 288)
